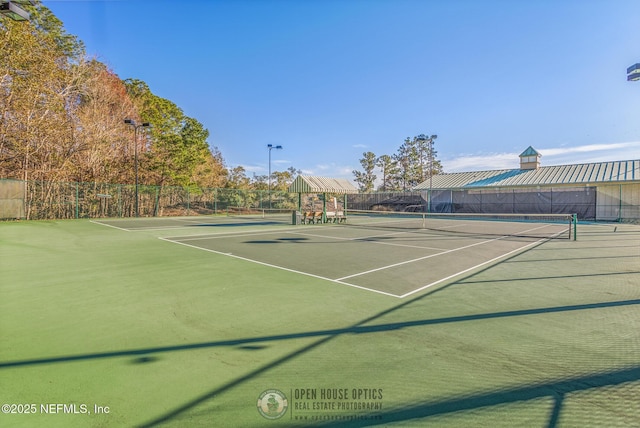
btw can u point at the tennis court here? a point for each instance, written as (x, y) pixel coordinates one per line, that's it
(396, 254)
(195, 321)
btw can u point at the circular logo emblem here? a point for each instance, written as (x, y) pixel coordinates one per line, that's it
(272, 404)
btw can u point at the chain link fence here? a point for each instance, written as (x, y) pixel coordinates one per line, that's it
(39, 200)
(58, 200)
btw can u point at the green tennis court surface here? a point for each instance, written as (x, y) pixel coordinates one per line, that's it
(397, 263)
(212, 321)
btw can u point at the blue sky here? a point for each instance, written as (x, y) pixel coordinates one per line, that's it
(331, 79)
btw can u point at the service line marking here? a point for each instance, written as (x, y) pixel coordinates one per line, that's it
(371, 240)
(280, 267)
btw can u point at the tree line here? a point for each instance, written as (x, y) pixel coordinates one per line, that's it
(62, 119)
(413, 163)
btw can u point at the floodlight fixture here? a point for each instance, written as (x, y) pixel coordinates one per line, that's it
(11, 9)
(633, 73)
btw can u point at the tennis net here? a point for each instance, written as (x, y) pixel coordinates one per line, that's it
(519, 225)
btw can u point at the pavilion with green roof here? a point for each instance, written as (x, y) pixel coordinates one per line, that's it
(307, 184)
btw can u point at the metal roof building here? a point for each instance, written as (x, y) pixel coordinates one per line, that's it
(614, 186)
(579, 174)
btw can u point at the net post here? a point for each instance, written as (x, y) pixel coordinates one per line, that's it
(574, 220)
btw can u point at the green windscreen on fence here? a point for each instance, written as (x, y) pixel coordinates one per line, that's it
(33, 200)
(11, 199)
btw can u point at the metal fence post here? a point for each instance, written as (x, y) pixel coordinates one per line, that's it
(77, 200)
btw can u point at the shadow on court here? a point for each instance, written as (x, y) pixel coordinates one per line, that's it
(557, 389)
(143, 355)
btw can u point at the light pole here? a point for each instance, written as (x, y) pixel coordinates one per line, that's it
(13, 9)
(270, 147)
(135, 127)
(429, 141)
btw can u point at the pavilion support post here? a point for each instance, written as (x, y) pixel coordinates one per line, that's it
(324, 207)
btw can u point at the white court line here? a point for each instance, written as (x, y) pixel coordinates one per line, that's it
(340, 280)
(229, 234)
(437, 254)
(418, 259)
(195, 237)
(472, 268)
(403, 222)
(108, 225)
(370, 240)
(156, 229)
(337, 281)
(141, 229)
(191, 224)
(195, 219)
